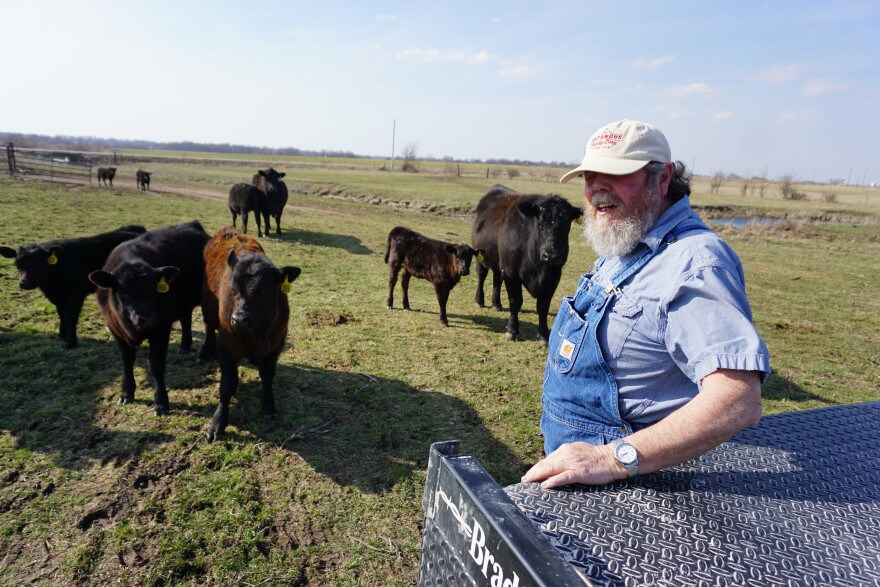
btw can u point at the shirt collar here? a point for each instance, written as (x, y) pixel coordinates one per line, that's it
(667, 221)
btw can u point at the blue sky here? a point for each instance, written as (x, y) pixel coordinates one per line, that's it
(742, 87)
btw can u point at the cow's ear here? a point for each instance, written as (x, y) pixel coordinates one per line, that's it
(231, 258)
(280, 175)
(261, 172)
(7, 252)
(575, 212)
(168, 273)
(450, 249)
(527, 208)
(104, 279)
(286, 275)
(288, 271)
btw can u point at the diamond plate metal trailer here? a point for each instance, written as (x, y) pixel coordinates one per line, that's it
(792, 501)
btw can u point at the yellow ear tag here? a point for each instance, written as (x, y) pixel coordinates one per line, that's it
(53, 260)
(480, 257)
(162, 286)
(285, 286)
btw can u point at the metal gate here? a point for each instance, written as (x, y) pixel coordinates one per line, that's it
(34, 164)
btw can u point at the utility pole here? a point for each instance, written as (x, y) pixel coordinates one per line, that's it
(393, 132)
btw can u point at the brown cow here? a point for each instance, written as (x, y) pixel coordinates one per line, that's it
(439, 262)
(244, 300)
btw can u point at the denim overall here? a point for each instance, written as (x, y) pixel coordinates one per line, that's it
(580, 399)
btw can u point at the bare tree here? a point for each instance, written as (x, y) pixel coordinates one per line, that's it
(410, 153)
(762, 182)
(716, 182)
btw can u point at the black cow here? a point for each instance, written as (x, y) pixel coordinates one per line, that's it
(269, 182)
(106, 174)
(146, 285)
(143, 179)
(245, 198)
(60, 268)
(524, 239)
(439, 262)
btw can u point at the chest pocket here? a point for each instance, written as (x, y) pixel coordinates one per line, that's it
(567, 337)
(622, 321)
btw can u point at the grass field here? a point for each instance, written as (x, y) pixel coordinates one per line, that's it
(94, 493)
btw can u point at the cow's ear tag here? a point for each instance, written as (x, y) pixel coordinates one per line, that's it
(285, 286)
(480, 257)
(162, 286)
(53, 260)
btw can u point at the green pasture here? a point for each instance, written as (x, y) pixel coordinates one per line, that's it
(94, 493)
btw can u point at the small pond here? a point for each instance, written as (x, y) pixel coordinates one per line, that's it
(741, 222)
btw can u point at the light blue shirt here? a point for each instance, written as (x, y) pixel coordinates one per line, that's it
(684, 315)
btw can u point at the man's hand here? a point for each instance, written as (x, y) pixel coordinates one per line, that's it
(577, 462)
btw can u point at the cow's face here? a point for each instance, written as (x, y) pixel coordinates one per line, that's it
(253, 290)
(271, 175)
(463, 257)
(33, 263)
(136, 291)
(552, 217)
(145, 176)
(111, 171)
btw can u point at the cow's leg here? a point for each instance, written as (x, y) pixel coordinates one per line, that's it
(69, 320)
(186, 333)
(267, 376)
(62, 323)
(257, 222)
(515, 298)
(244, 220)
(496, 290)
(158, 354)
(442, 297)
(128, 355)
(404, 285)
(278, 222)
(543, 307)
(234, 216)
(266, 226)
(480, 297)
(393, 270)
(228, 385)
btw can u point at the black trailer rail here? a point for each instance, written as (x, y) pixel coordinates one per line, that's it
(792, 501)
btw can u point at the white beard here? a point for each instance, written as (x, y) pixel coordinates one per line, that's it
(618, 238)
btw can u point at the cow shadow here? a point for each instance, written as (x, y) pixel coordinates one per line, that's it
(345, 242)
(360, 430)
(48, 401)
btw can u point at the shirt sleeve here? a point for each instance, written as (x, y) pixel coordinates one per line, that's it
(709, 326)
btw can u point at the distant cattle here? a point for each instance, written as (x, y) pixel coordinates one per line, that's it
(143, 179)
(244, 199)
(269, 182)
(439, 262)
(106, 174)
(146, 285)
(244, 300)
(524, 239)
(60, 268)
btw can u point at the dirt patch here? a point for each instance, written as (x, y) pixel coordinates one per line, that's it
(322, 318)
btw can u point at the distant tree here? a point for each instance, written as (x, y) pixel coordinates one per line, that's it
(410, 153)
(716, 181)
(512, 172)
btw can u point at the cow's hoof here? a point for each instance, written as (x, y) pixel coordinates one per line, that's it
(274, 416)
(184, 350)
(125, 399)
(161, 410)
(444, 322)
(513, 336)
(211, 436)
(497, 308)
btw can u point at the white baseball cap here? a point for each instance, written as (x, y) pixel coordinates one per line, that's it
(621, 148)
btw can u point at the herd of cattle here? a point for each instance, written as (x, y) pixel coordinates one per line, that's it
(145, 281)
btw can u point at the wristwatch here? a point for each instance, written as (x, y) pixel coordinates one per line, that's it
(626, 455)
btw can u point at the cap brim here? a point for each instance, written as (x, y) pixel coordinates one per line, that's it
(605, 165)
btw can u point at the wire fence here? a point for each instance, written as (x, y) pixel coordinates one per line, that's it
(46, 166)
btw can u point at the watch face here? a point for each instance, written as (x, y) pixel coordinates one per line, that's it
(625, 453)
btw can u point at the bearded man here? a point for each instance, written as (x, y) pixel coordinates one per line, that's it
(654, 360)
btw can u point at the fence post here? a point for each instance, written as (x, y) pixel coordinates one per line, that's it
(10, 158)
